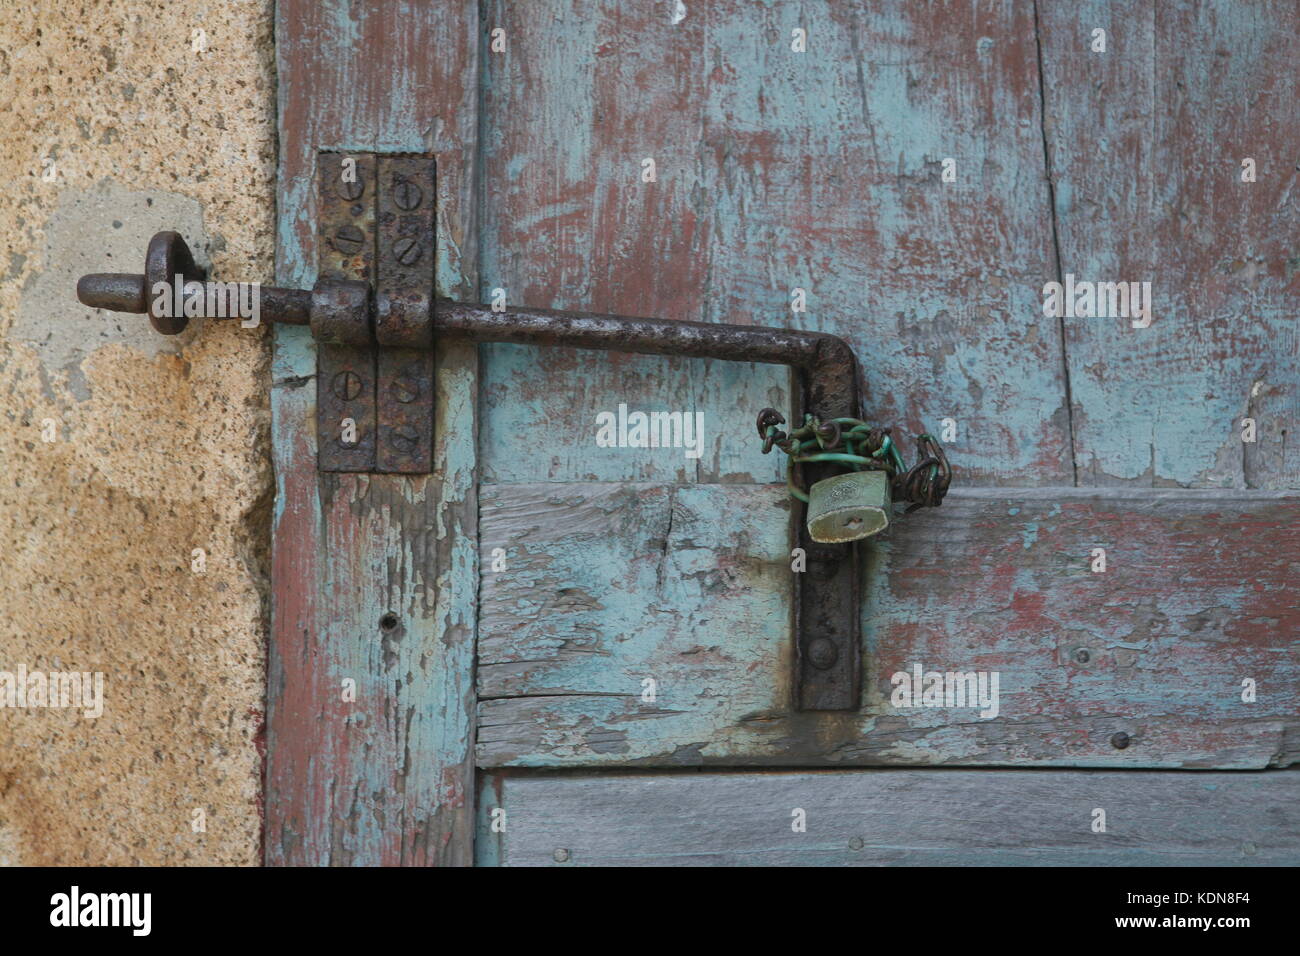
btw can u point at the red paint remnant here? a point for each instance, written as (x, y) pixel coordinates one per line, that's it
(1028, 610)
(359, 782)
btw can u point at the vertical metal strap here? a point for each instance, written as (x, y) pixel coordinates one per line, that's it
(828, 651)
(345, 367)
(404, 313)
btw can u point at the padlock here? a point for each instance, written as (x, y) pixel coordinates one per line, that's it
(848, 507)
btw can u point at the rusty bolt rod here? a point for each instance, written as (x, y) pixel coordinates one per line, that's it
(826, 361)
(122, 292)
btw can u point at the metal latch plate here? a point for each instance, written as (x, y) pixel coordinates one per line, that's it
(374, 385)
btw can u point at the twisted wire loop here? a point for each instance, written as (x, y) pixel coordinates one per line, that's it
(857, 445)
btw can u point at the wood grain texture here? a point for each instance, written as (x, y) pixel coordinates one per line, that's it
(387, 779)
(1146, 142)
(898, 817)
(609, 584)
(775, 170)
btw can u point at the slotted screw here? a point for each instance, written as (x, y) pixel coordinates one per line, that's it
(403, 439)
(346, 385)
(407, 251)
(404, 390)
(407, 195)
(349, 240)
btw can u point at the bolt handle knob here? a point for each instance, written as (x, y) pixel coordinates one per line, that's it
(167, 257)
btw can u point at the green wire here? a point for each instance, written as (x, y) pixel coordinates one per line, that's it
(807, 440)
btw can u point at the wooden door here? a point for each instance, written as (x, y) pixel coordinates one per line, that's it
(919, 172)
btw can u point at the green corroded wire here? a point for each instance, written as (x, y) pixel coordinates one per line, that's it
(849, 442)
(852, 432)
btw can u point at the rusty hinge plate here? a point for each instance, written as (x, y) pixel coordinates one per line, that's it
(345, 357)
(404, 313)
(374, 385)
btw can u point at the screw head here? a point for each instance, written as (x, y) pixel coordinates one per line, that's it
(348, 240)
(1120, 740)
(1082, 655)
(404, 439)
(856, 843)
(407, 250)
(822, 653)
(346, 385)
(561, 855)
(407, 195)
(404, 390)
(351, 190)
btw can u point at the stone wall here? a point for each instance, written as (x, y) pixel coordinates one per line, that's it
(118, 120)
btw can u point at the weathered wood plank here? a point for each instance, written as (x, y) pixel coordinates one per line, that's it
(899, 817)
(538, 428)
(775, 170)
(387, 778)
(608, 585)
(1146, 144)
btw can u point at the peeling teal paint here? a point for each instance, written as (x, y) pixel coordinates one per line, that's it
(595, 602)
(1162, 405)
(776, 170)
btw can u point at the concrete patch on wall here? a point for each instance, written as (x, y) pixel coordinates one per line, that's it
(103, 229)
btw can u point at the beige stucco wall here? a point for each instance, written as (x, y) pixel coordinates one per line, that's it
(161, 446)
